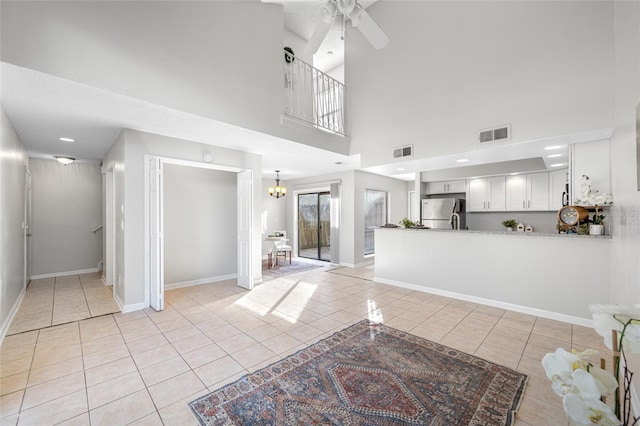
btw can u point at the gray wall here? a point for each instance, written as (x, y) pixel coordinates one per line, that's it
(200, 223)
(12, 172)
(541, 221)
(67, 206)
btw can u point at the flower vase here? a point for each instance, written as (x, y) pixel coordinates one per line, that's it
(596, 229)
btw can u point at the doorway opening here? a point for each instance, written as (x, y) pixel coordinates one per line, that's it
(155, 224)
(314, 226)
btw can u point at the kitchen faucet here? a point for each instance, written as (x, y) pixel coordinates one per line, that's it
(454, 224)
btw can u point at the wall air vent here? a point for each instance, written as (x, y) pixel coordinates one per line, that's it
(501, 133)
(403, 151)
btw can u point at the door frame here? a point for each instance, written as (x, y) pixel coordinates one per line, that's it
(28, 211)
(154, 264)
(110, 226)
(319, 247)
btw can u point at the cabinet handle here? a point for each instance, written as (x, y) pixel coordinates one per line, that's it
(488, 204)
(529, 204)
(523, 204)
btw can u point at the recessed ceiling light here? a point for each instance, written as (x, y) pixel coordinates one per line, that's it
(338, 162)
(401, 169)
(558, 165)
(67, 139)
(329, 53)
(552, 147)
(462, 160)
(554, 155)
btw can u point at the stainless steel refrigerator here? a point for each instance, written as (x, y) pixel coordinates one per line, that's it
(443, 213)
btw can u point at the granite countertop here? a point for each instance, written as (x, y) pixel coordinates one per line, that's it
(515, 233)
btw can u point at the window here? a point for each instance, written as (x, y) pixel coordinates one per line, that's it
(375, 214)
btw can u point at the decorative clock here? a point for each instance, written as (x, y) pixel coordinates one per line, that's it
(571, 217)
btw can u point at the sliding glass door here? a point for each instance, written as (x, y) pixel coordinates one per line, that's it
(314, 225)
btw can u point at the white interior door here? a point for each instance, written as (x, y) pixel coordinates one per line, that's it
(156, 252)
(245, 229)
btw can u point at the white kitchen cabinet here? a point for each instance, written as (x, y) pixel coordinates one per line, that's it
(557, 188)
(527, 192)
(446, 187)
(486, 194)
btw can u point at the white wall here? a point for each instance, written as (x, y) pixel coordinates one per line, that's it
(67, 206)
(13, 160)
(114, 161)
(200, 224)
(397, 190)
(218, 59)
(528, 271)
(297, 43)
(131, 289)
(453, 68)
(625, 213)
(591, 159)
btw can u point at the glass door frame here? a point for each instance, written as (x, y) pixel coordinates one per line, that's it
(319, 195)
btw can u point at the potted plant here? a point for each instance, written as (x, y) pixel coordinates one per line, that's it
(509, 224)
(596, 227)
(407, 223)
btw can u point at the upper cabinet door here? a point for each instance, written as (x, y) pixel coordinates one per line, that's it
(538, 191)
(516, 196)
(446, 187)
(477, 199)
(496, 199)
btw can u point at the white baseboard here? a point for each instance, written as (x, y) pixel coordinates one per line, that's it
(357, 265)
(490, 302)
(65, 274)
(128, 308)
(200, 281)
(14, 310)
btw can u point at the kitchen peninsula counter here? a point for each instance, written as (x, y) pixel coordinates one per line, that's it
(525, 234)
(551, 275)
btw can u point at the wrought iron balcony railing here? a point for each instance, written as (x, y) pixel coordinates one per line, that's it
(313, 96)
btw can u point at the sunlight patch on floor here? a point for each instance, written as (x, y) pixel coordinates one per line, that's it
(290, 302)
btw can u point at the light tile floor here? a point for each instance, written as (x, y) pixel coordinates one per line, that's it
(54, 301)
(144, 367)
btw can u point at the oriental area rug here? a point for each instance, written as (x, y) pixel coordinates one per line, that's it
(369, 374)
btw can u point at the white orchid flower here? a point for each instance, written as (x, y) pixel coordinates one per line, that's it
(571, 372)
(615, 317)
(588, 411)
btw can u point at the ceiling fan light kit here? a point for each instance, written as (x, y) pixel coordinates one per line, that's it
(351, 10)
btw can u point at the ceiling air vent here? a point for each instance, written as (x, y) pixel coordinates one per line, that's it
(502, 133)
(403, 151)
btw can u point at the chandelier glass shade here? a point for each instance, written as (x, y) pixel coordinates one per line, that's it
(277, 191)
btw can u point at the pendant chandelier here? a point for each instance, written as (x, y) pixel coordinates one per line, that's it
(277, 191)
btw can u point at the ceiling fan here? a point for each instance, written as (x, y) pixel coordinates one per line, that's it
(350, 10)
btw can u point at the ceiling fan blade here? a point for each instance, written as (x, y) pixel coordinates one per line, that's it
(317, 37)
(370, 30)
